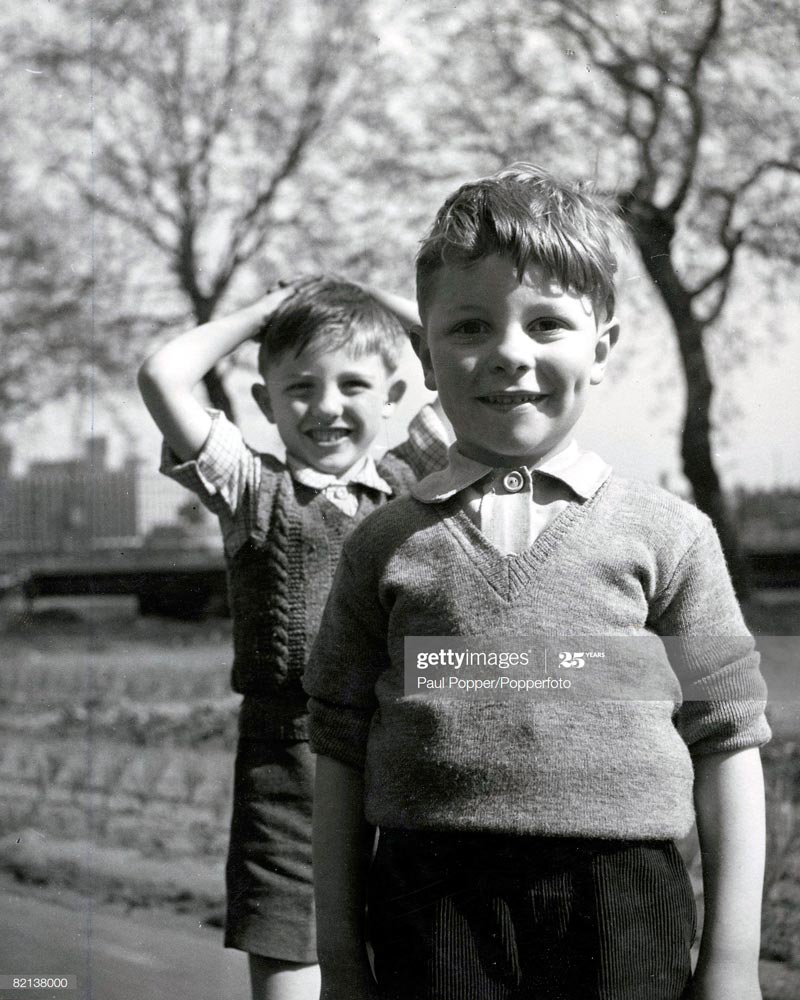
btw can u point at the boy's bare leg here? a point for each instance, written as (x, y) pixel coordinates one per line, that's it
(273, 979)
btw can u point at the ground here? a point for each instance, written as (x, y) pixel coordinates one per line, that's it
(116, 751)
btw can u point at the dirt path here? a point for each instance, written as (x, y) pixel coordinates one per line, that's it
(116, 956)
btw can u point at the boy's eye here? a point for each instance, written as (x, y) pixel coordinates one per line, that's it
(547, 324)
(471, 328)
(299, 389)
(353, 386)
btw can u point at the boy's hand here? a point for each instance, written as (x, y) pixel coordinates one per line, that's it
(277, 294)
(293, 285)
(404, 309)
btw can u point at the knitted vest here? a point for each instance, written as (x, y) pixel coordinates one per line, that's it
(278, 583)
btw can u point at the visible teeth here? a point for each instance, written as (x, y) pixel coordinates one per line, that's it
(329, 434)
(507, 399)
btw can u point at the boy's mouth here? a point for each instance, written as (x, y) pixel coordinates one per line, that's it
(508, 400)
(328, 435)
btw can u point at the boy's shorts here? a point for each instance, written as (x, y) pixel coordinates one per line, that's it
(270, 907)
(489, 917)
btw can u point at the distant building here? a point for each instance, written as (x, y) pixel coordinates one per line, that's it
(69, 505)
(81, 504)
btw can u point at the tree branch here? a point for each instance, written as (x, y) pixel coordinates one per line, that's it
(309, 121)
(705, 42)
(733, 239)
(722, 276)
(689, 87)
(129, 217)
(692, 144)
(136, 178)
(590, 28)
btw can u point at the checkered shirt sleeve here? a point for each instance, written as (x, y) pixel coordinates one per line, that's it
(225, 476)
(427, 445)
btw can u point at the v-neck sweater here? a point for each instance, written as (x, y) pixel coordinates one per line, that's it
(632, 560)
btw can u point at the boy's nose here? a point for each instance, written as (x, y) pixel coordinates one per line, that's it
(327, 404)
(514, 350)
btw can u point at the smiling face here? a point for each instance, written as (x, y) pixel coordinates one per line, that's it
(512, 361)
(327, 405)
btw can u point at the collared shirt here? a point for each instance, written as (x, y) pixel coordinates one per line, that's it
(493, 498)
(339, 489)
(226, 474)
(426, 446)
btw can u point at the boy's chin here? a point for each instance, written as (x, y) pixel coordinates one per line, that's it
(513, 453)
(334, 468)
(334, 464)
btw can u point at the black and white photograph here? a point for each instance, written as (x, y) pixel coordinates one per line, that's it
(400, 500)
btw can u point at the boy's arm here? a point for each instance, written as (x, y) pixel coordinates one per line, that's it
(342, 843)
(729, 801)
(168, 377)
(404, 309)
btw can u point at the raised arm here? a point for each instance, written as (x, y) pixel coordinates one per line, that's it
(729, 801)
(168, 377)
(404, 309)
(342, 846)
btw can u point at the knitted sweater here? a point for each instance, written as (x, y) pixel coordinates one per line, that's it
(630, 561)
(279, 577)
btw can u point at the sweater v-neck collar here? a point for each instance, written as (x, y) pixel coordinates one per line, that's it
(510, 573)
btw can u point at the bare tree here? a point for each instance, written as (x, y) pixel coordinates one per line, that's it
(687, 117)
(199, 116)
(44, 334)
(700, 162)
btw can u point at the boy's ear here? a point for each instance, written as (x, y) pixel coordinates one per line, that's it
(607, 337)
(261, 396)
(394, 394)
(419, 341)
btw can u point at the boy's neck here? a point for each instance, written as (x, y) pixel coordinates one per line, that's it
(515, 462)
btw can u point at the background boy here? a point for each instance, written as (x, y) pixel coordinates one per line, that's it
(526, 846)
(328, 358)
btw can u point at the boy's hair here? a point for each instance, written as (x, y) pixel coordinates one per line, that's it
(334, 314)
(525, 213)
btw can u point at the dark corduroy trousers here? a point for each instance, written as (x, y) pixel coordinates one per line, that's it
(487, 917)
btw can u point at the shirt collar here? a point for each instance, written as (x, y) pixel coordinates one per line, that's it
(363, 473)
(583, 472)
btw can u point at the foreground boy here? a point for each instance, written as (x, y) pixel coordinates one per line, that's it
(328, 358)
(526, 845)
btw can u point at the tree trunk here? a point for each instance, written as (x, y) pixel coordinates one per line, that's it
(653, 232)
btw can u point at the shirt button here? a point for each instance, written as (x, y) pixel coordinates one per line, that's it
(513, 481)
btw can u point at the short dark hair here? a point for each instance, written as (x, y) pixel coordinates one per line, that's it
(335, 313)
(526, 213)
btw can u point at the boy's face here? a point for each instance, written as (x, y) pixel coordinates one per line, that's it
(327, 405)
(512, 361)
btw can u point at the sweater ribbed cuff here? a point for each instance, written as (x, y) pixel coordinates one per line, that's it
(339, 732)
